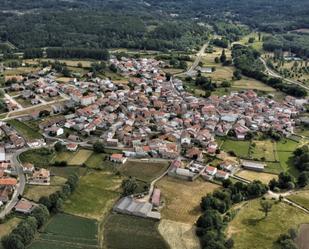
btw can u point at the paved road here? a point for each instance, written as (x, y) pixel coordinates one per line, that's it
(20, 186)
(272, 73)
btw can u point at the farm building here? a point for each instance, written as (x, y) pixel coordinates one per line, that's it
(222, 175)
(211, 170)
(155, 199)
(130, 206)
(24, 206)
(72, 147)
(118, 158)
(251, 165)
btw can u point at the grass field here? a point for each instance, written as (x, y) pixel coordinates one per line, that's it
(67, 171)
(285, 149)
(264, 149)
(124, 232)
(73, 158)
(95, 195)
(143, 170)
(182, 198)
(20, 70)
(98, 161)
(250, 229)
(273, 168)
(39, 157)
(68, 231)
(301, 198)
(34, 193)
(27, 132)
(8, 226)
(252, 175)
(23, 102)
(179, 235)
(258, 45)
(240, 148)
(250, 83)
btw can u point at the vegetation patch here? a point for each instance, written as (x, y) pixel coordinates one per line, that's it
(144, 170)
(123, 231)
(95, 194)
(182, 198)
(264, 150)
(252, 175)
(301, 198)
(240, 148)
(39, 157)
(27, 132)
(8, 226)
(251, 229)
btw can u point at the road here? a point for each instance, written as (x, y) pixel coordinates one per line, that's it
(198, 58)
(272, 73)
(20, 186)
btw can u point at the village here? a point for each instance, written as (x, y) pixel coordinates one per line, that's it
(150, 117)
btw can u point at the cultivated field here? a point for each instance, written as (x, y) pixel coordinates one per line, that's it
(250, 229)
(73, 158)
(252, 175)
(94, 196)
(98, 160)
(68, 231)
(264, 150)
(182, 198)
(301, 198)
(71, 63)
(250, 83)
(144, 170)
(179, 235)
(303, 238)
(123, 232)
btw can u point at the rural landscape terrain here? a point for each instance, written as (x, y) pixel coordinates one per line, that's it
(154, 124)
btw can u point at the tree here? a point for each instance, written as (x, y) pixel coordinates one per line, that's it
(303, 179)
(273, 183)
(129, 186)
(284, 179)
(12, 241)
(59, 147)
(266, 207)
(217, 60)
(98, 147)
(44, 200)
(223, 56)
(41, 214)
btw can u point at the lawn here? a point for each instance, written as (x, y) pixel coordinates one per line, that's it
(144, 170)
(301, 198)
(95, 195)
(264, 149)
(39, 157)
(250, 229)
(26, 131)
(68, 231)
(252, 175)
(182, 198)
(240, 148)
(124, 232)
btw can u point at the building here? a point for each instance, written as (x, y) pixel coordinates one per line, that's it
(40, 177)
(118, 158)
(11, 182)
(155, 199)
(211, 170)
(72, 147)
(24, 206)
(222, 175)
(28, 168)
(2, 154)
(252, 165)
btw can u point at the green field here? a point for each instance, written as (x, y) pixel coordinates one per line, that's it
(240, 148)
(39, 157)
(264, 150)
(285, 150)
(143, 170)
(73, 158)
(96, 193)
(301, 198)
(124, 232)
(68, 231)
(99, 161)
(273, 168)
(250, 229)
(27, 132)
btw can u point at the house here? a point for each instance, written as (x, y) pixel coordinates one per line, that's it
(28, 168)
(40, 177)
(55, 131)
(252, 165)
(11, 182)
(2, 154)
(118, 158)
(4, 194)
(222, 175)
(24, 206)
(72, 147)
(195, 153)
(184, 174)
(155, 199)
(211, 170)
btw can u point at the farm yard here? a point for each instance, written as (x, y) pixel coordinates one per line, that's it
(252, 175)
(123, 232)
(68, 231)
(250, 229)
(182, 198)
(95, 194)
(144, 170)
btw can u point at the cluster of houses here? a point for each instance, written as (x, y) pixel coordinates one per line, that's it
(35, 176)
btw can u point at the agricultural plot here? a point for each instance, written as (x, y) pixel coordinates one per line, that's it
(252, 175)
(26, 131)
(73, 158)
(249, 83)
(95, 194)
(123, 231)
(182, 198)
(67, 171)
(273, 168)
(98, 161)
(264, 150)
(250, 229)
(144, 170)
(240, 148)
(68, 231)
(301, 198)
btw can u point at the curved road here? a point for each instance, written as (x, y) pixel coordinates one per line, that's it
(20, 186)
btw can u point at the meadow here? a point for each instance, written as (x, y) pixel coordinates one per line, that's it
(261, 176)
(240, 148)
(301, 198)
